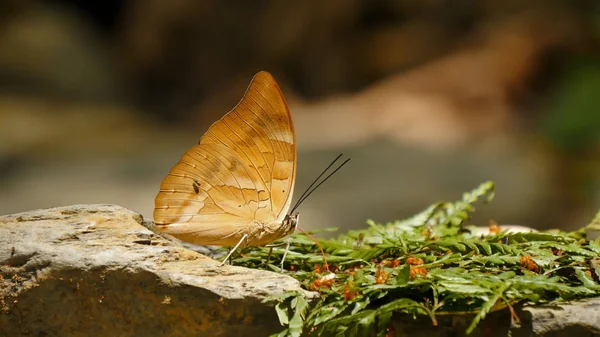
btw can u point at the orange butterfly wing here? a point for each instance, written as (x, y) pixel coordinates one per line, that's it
(239, 179)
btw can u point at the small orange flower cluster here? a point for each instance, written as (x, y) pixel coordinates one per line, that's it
(351, 269)
(417, 271)
(349, 293)
(392, 263)
(318, 270)
(325, 281)
(527, 262)
(493, 227)
(414, 261)
(381, 276)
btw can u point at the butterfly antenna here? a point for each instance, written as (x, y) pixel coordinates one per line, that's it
(309, 191)
(315, 181)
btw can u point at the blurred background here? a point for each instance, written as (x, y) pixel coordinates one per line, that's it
(99, 99)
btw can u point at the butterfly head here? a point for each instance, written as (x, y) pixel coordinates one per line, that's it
(290, 222)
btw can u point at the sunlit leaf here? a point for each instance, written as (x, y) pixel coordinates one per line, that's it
(282, 314)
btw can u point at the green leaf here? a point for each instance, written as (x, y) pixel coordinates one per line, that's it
(282, 314)
(327, 312)
(360, 305)
(363, 318)
(299, 305)
(472, 246)
(487, 249)
(487, 306)
(539, 236)
(594, 246)
(383, 322)
(595, 223)
(462, 288)
(403, 275)
(403, 305)
(587, 280)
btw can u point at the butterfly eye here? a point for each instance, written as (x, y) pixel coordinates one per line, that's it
(291, 220)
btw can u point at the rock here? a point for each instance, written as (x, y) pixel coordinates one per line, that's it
(72, 270)
(581, 317)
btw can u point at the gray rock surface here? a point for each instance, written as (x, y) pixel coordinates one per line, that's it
(580, 318)
(95, 270)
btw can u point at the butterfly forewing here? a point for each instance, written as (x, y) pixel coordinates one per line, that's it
(240, 174)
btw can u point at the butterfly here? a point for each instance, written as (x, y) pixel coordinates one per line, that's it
(234, 188)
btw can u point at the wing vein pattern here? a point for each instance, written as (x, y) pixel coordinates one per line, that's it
(240, 174)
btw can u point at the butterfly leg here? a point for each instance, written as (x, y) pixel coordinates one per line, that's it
(271, 246)
(234, 249)
(269, 256)
(287, 249)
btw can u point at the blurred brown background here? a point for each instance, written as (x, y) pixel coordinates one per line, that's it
(98, 99)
